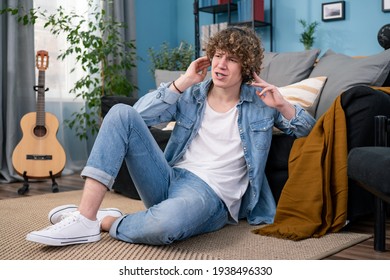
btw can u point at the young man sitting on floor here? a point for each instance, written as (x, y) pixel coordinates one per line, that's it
(212, 171)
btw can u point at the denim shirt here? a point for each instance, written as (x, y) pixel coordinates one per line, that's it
(255, 124)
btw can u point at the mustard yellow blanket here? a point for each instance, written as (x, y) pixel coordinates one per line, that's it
(314, 199)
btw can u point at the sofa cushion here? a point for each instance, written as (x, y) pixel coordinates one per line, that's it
(345, 72)
(281, 69)
(305, 93)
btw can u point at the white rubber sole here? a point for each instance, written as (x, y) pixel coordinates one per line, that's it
(34, 237)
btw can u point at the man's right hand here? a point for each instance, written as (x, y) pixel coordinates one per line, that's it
(195, 73)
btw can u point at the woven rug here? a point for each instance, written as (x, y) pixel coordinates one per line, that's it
(19, 216)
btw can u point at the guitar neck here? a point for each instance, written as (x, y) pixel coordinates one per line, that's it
(40, 121)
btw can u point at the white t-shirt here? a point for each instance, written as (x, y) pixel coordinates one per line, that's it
(217, 157)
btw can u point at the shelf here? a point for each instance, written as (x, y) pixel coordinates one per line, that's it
(216, 9)
(227, 8)
(251, 23)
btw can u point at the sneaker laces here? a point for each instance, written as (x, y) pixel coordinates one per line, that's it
(64, 215)
(66, 219)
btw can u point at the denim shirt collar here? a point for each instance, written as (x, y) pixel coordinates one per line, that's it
(201, 90)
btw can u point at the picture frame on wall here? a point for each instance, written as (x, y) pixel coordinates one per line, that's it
(386, 6)
(333, 11)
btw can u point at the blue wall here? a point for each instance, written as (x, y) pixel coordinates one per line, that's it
(356, 35)
(173, 21)
(156, 22)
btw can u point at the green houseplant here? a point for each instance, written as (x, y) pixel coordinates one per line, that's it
(307, 36)
(100, 51)
(168, 63)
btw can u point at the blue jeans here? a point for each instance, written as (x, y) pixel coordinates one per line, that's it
(179, 204)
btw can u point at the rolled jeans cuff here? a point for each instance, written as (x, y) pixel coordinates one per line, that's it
(113, 229)
(98, 175)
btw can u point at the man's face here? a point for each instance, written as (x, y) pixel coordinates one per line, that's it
(226, 70)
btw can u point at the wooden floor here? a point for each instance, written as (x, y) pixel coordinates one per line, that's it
(362, 251)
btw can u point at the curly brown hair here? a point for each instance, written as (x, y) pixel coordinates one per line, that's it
(241, 42)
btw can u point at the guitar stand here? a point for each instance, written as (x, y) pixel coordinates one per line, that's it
(24, 188)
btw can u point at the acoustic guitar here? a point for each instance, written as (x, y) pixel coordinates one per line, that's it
(39, 154)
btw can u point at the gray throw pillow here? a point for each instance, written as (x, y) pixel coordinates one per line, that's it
(345, 72)
(282, 69)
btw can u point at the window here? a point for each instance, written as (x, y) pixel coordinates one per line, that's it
(58, 78)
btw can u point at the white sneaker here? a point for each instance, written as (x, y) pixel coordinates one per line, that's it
(73, 229)
(57, 214)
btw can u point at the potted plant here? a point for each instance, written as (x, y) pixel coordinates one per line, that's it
(307, 36)
(167, 63)
(100, 50)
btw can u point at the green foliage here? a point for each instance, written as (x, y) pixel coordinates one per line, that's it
(100, 51)
(172, 59)
(307, 36)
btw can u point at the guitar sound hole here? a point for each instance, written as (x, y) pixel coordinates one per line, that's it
(40, 131)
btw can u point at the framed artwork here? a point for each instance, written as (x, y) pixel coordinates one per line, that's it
(334, 10)
(386, 6)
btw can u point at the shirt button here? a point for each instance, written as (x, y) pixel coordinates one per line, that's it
(158, 95)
